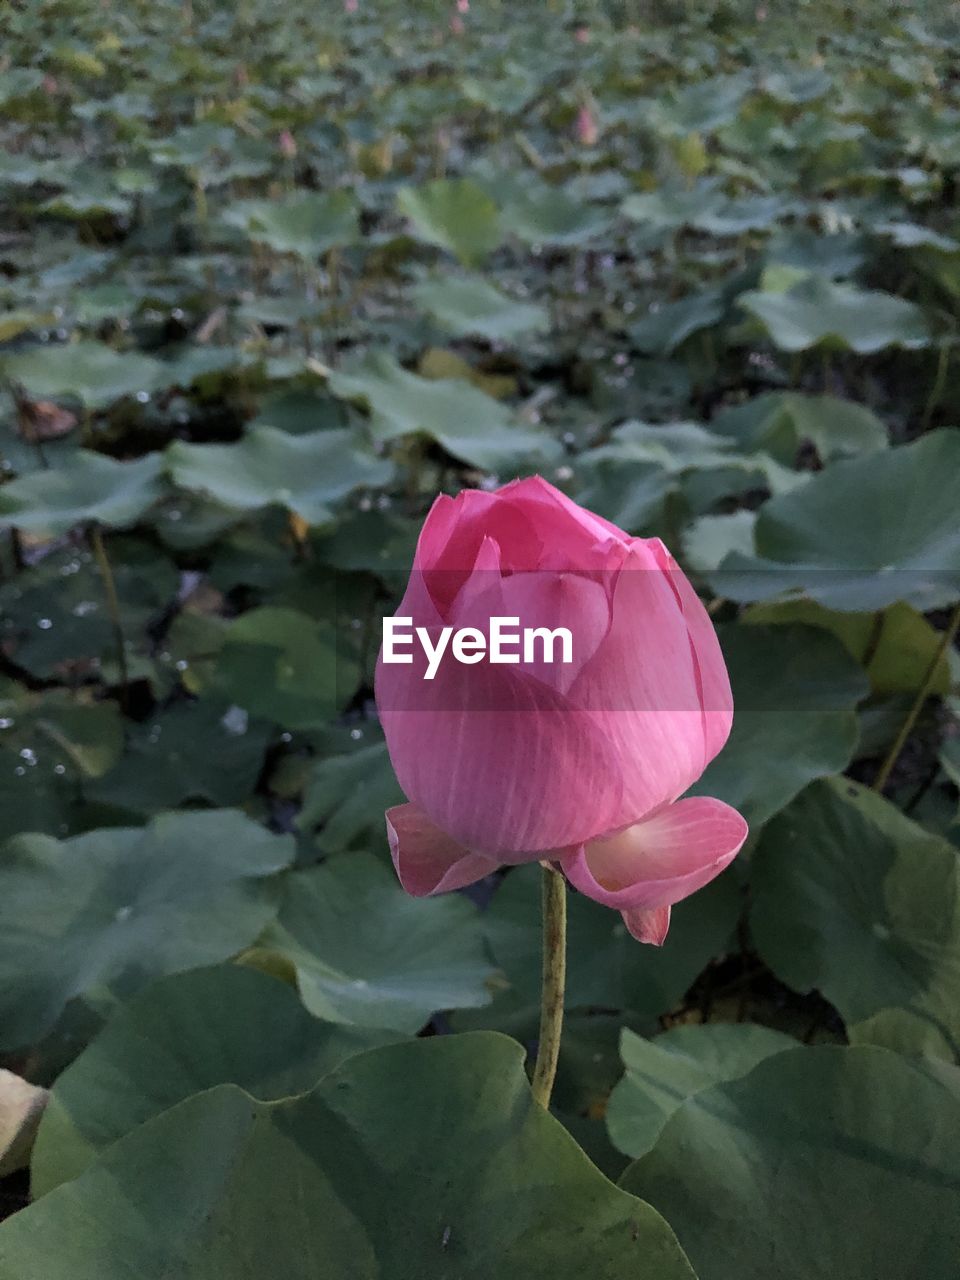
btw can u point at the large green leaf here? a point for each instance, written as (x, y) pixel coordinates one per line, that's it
(782, 422)
(469, 425)
(346, 796)
(795, 693)
(280, 665)
(307, 223)
(308, 474)
(114, 908)
(822, 1161)
(851, 898)
(186, 1033)
(818, 310)
(195, 750)
(427, 1160)
(661, 331)
(55, 621)
(470, 306)
(543, 214)
(662, 1073)
(95, 373)
(88, 487)
(863, 534)
(898, 645)
(368, 954)
(454, 213)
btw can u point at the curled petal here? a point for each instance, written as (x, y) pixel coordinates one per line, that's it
(648, 926)
(659, 861)
(427, 861)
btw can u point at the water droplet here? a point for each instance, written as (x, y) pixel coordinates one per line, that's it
(174, 515)
(60, 769)
(365, 504)
(6, 722)
(143, 397)
(181, 664)
(177, 313)
(881, 931)
(360, 982)
(19, 771)
(356, 734)
(384, 502)
(28, 755)
(44, 624)
(564, 473)
(235, 720)
(123, 913)
(569, 438)
(286, 737)
(356, 624)
(84, 607)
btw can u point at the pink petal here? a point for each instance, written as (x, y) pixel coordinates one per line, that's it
(661, 860)
(648, 926)
(716, 696)
(454, 532)
(427, 861)
(643, 687)
(554, 514)
(496, 759)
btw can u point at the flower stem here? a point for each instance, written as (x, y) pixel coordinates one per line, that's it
(946, 640)
(113, 608)
(554, 893)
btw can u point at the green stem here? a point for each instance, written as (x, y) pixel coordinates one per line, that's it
(113, 607)
(946, 640)
(554, 975)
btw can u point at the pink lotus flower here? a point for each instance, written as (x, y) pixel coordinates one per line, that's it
(587, 129)
(577, 762)
(463, 6)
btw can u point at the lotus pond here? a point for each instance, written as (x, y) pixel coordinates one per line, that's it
(273, 276)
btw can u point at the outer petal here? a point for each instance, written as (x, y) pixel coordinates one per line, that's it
(498, 760)
(661, 860)
(643, 687)
(427, 861)
(715, 694)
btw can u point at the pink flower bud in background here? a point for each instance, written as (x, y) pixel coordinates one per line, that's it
(580, 762)
(287, 144)
(587, 129)
(456, 25)
(582, 35)
(463, 6)
(351, 6)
